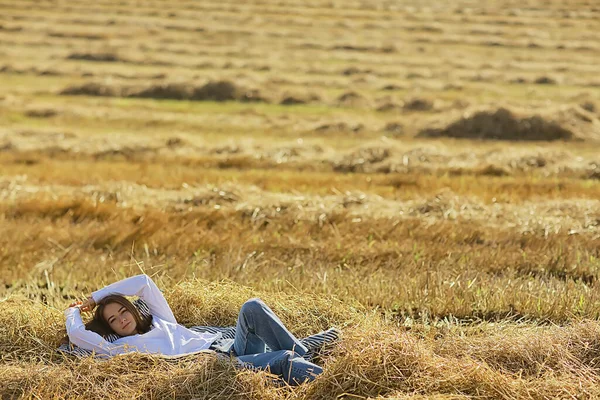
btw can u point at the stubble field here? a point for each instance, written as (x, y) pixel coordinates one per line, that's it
(423, 175)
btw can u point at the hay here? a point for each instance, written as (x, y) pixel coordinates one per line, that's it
(216, 91)
(393, 87)
(589, 106)
(352, 99)
(338, 127)
(94, 89)
(252, 96)
(6, 146)
(99, 57)
(502, 124)
(354, 71)
(299, 98)
(394, 128)
(418, 104)
(292, 100)
(45, 112)
(493, 170)
(389, 106)
(362, 160)
(173, 91)
(545, 80)
(211, 91)
(175, 142)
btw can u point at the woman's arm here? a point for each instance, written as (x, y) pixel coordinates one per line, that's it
(85, 339)
(145, 288)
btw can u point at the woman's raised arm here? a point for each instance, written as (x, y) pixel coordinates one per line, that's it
(86, 339)
(145, 288)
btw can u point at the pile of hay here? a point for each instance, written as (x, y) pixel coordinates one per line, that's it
(290, 99)
(339, 127)
(41, 112)
(173, 91)
(503, 124)
(211, 91)
(94, 89)
(99, 57)
(353, 99)
(418, 104)
(394, 129)
(364, 159)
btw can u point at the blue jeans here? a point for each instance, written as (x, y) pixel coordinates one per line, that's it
(258, 327)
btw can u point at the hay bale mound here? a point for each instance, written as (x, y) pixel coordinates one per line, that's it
(393, 87)
(493, 170)
(174, 142)
(173, 91)
(299, 98)
(292, 100)
(394, 129)
(502, 124)
(354, 71)
(100, 57)
(45, 112)
(251, 96)
(545, 80)
(365, 159)
(352, 99)
(212, 91)
(7, 146)
(336, 127)
(589, 106)
(389, 106)
(592, 175)
(93, 89)
(7, 69)
(418, 104)
(217, 91)
(580, 121)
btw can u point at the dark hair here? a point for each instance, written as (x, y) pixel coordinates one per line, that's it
(99, 325)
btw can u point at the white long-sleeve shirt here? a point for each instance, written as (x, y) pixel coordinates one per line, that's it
(166, 336)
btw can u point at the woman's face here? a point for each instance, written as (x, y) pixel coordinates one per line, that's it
(119, 319)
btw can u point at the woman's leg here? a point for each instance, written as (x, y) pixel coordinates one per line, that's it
(258, 326)
(285, 363)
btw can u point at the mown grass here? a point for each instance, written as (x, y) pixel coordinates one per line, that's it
(291, 177)
(455, 269)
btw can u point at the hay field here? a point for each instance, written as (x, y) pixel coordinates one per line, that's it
(423, 175)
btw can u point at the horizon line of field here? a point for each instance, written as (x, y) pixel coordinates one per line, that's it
(285, 10)
(408, 26)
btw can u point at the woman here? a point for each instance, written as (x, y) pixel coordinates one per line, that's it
(257, 327)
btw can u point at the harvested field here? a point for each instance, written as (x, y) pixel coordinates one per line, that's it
(423, 175)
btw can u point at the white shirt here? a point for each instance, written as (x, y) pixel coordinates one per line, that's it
(166, 337)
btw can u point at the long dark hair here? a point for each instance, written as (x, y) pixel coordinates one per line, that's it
(99, 325)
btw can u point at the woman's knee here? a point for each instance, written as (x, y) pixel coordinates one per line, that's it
(253, 305)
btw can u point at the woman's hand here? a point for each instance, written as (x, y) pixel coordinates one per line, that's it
(88, 305)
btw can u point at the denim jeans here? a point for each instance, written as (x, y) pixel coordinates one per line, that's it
(257, 327)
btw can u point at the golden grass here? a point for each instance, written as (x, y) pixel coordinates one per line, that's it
(456, 269)
(375, 358)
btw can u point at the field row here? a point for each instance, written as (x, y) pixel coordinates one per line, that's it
(375, 360)
(440, 256)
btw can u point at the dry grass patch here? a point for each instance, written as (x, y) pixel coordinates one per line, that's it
(455, 269)
(375, 359)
